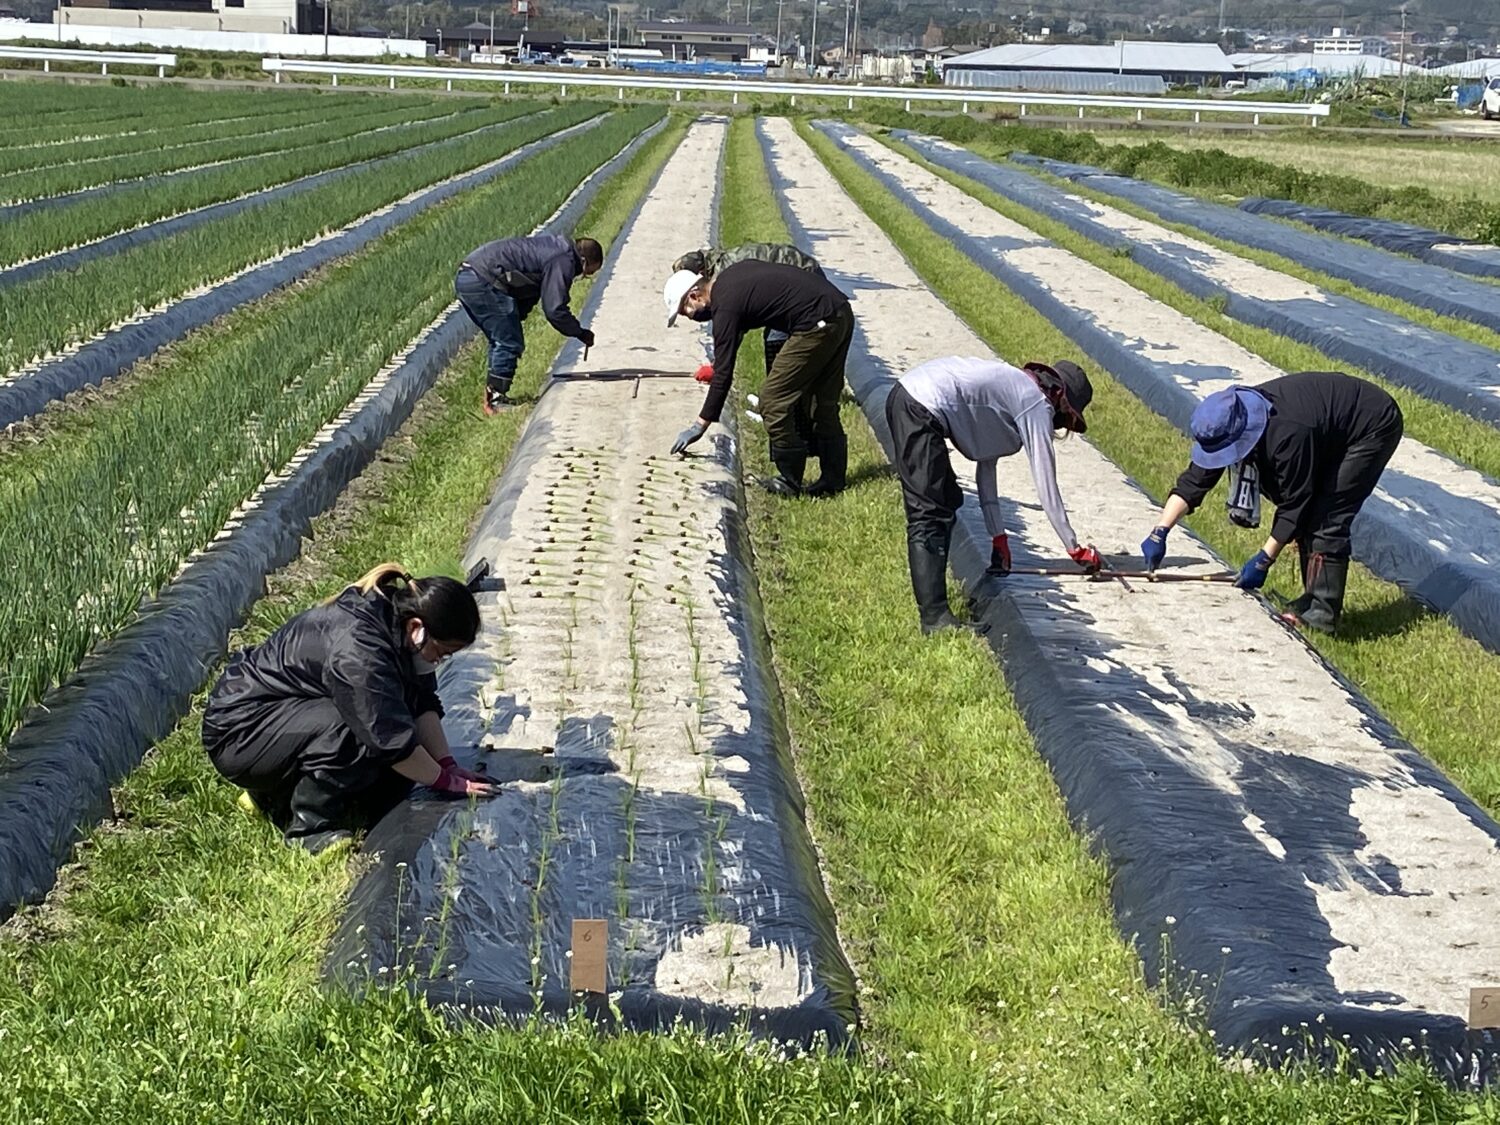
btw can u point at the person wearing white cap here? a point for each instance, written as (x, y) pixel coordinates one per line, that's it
(819, 325)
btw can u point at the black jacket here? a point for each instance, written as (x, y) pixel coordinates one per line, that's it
(1316, 416)
(753, 294)
(351, 651)
(541, 268)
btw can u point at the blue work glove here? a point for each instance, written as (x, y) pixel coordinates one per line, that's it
(1253, 573)
(688, 436)
(1154, 548)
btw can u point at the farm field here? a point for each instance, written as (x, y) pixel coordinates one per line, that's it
(1455, 169)
(178, 970)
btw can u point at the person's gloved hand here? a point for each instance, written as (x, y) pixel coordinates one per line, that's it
(1253, 573)
(449, 762)
(999, 557)
(688, 436)
(1154, 548)
(586, 337)
(451, 784)
(1088, 558)
(704, 374)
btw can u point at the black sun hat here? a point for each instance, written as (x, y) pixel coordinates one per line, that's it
(1076, 387)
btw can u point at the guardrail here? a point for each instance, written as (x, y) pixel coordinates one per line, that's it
(50, 55)
(734, 87)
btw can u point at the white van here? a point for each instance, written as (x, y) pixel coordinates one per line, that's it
(1489, 105)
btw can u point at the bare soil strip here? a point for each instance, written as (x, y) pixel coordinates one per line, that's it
(1279, 851)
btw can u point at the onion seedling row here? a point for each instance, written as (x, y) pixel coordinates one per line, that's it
(258, 135)
(48, 314)
(165, 134)
(43, 232)
(103, 514)
(125, 110)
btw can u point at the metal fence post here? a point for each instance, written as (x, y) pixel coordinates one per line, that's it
(335, 79)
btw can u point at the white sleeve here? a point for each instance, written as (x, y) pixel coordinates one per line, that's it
(989, 496)
(1035, 426)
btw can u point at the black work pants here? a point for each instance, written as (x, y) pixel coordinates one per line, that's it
(807, 377)
(1349, 485)
(300, 738)
(929, 488)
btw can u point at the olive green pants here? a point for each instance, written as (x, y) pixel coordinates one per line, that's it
(807, 378)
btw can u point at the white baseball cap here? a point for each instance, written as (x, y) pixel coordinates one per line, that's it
(675, 290)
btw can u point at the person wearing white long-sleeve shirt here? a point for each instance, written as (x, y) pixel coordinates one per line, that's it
(988, 409)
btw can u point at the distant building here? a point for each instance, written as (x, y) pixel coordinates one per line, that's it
(266, 16)
(1173, 63)
(721, 42)
(1351, 45)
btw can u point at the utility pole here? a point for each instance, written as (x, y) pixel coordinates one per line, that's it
(492, 35)
(779, 3)
(854, 40)
(1221, 17)
(326, 5)
(1402, 118)
(408, 21)
(812, 63)
(848, 4)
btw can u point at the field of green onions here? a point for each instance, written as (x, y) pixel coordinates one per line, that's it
(101, 503)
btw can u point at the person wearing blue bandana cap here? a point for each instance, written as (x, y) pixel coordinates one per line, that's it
(1315, 444)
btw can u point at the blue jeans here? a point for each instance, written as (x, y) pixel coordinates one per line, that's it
(496, 315)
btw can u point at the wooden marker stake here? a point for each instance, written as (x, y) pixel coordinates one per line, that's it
(1484, 1008)
(590, 949)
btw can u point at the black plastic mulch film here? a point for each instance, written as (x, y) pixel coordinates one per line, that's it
(1176, 844)
(1446, 250)
(1428, 541)
(502, 954)
(112, 354)
(56, 771)
(1426, 286)
(1435, 364)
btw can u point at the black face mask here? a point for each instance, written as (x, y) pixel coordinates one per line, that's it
(702, 315)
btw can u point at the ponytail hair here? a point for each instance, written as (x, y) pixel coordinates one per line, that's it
(445, 605)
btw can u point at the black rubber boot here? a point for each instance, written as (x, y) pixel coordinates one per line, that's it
(928, 560)
(833, 463)
(317, 812)
(1299, 605)
(1326, 580)
(790, 465)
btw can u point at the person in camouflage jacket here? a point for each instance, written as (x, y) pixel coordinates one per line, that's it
(713, 260)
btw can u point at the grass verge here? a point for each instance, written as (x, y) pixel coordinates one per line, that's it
(979, 923)
(1449, 431)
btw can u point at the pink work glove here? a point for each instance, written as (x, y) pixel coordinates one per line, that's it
(451, 784)
(449, 762)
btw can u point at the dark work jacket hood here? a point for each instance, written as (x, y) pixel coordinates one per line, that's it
(351, 651)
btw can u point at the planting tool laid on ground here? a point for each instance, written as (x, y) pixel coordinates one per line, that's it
(623, 682)
(1433, 525)
(1279, 854)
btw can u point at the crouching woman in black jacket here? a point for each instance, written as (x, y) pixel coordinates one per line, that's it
(330, 721)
